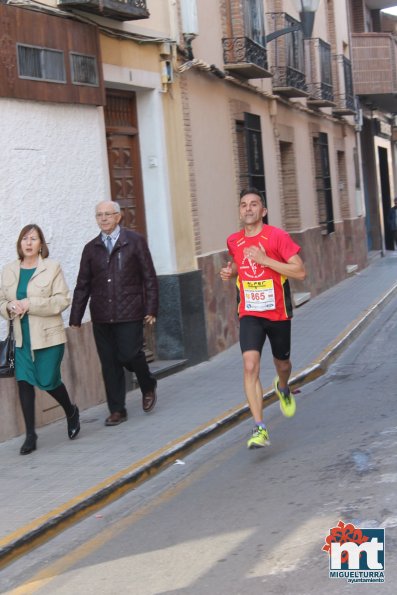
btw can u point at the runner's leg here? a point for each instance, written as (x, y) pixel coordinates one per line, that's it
(251, 361)
(283, 368)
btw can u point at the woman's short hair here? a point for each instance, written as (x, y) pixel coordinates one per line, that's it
(32, 227)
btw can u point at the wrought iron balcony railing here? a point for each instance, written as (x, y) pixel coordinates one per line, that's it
(322, 94)
(344, 95)
(286, 55)
(288, 81)
(119, 10)
(245, 57)
(319, 69)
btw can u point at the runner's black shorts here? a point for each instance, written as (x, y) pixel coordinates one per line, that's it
(254, 330)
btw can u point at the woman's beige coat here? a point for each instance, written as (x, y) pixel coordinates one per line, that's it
(48, 296)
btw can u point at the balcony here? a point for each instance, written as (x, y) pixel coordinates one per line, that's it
(245, 58)
(286, 56)
(374, 58)
(288, 82)
(118, 10)
(344, 94)
(319, 73)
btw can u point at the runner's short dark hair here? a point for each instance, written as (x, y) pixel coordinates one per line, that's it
(253, 190)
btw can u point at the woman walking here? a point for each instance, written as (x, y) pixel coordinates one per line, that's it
(34, 294)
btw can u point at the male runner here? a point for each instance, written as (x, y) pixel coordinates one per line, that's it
(263, 258)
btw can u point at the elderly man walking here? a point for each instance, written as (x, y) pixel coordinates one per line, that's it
(117, 275)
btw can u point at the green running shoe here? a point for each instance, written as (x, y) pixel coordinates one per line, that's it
(259, 438)
(287, 402)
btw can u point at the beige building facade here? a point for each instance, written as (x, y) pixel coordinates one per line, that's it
(284, 122)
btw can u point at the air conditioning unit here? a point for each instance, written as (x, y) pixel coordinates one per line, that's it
(189, 17)
(358, 120)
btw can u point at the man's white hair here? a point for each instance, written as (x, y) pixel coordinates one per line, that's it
(115, 204)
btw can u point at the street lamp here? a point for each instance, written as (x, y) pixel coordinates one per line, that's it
(307, 9)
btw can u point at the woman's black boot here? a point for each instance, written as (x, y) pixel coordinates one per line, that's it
(61, 395)
(29, 445)
(26, 396)
(74, 423)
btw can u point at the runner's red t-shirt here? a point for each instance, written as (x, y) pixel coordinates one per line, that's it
(263, 292)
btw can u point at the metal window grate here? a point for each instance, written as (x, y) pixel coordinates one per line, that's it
(250, 154)
(39, 63)
(323, 183)
(325, 61)
(84, 69)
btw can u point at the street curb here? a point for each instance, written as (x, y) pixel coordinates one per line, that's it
(41, 530)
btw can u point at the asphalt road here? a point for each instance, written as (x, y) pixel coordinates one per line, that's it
(231, 521)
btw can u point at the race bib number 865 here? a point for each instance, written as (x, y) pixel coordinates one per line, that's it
(259, 295)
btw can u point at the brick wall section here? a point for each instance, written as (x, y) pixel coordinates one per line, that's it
(224, 9)
(237, 109)
(277, 150)
(184, 85)
(357, 15)
(290, 201)
(275, 5)
(331, 26)
(337, 73)
(237, 18)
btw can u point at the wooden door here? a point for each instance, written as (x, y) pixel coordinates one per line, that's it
(124, 158)
(125, 172)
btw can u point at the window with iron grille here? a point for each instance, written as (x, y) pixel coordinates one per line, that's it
(41, 64)
(347, 73)
(250, 154)
(84, 69)
(294, 46)
(254, 21)
(323, 183)
(325, 61)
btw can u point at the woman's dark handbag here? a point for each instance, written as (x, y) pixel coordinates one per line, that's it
(7, 354)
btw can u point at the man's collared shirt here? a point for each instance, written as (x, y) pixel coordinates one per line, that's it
(114, 236)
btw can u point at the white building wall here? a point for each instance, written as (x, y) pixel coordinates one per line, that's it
(53, 172)
(159, 223)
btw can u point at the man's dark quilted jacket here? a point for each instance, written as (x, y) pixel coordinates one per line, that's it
(122, 287)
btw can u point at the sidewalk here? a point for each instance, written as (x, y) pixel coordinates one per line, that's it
(64, 480)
